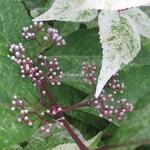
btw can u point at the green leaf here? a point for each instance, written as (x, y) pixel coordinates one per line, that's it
(32, 4)
(11, 83)
(88, 116)
(141, 20)
(91, 144)
(120, 42)
(68, 10)
(136, 78)
(135, 130)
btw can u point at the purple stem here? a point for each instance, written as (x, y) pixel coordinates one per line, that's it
(66, 124)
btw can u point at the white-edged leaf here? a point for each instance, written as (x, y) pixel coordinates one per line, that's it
(112, 4)
(72, 146)
(68, 10)
(120, 42)
(142, 21)
(85, 10)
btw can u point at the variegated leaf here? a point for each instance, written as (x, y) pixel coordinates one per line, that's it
(73, 146)
(120, 42)
(68, 10)
(85, 10)
(141, 20)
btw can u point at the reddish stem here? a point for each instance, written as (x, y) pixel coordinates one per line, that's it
(75, 106)
(66, 124)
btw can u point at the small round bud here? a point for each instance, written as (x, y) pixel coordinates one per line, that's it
(23, 34)
(90, 82)
(103, 98)
(61, 123)
(31, 27)
(42, 64)
(47, 131)
(110, 112)
(43, 92)
(100, 115)
(58, 83)
(118, 102)
(20, 101)
(106, 106)
(112, 99)
(45, 38)
(42, 113)
(30, 123)
(40, 24)
(35, 24)
(22, 112)
(40, 56)
(48, 111)
(23, 76)
(121, 113)
(54, 73)
(44, 57)
(96, 102)
(52, 83)
(40, 71)
(110, 120)
(58, 68)
(115, 111)
(13, 102)
(105, 112)
(109, 95)
(26, 111)
(119, 118)
(17, 54)
(19, 119)
(59, 109)
(12, 108)
(42, 128)
(26, 118)
(115, 92)
(54, 112)
(50, 125)
(111, 107)
(15, 97)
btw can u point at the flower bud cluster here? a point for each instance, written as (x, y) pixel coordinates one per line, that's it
(32, 69)
(59, 122)
(88, 73)
(54, 111)
(30, 32)
(17, 51)
(51, 36)
(24, 115)
(23, 112)
(114, 84)
(53, 73)
(46, 128)
(103, 103)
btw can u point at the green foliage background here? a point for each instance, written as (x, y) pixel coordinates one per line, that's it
(82, 45)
